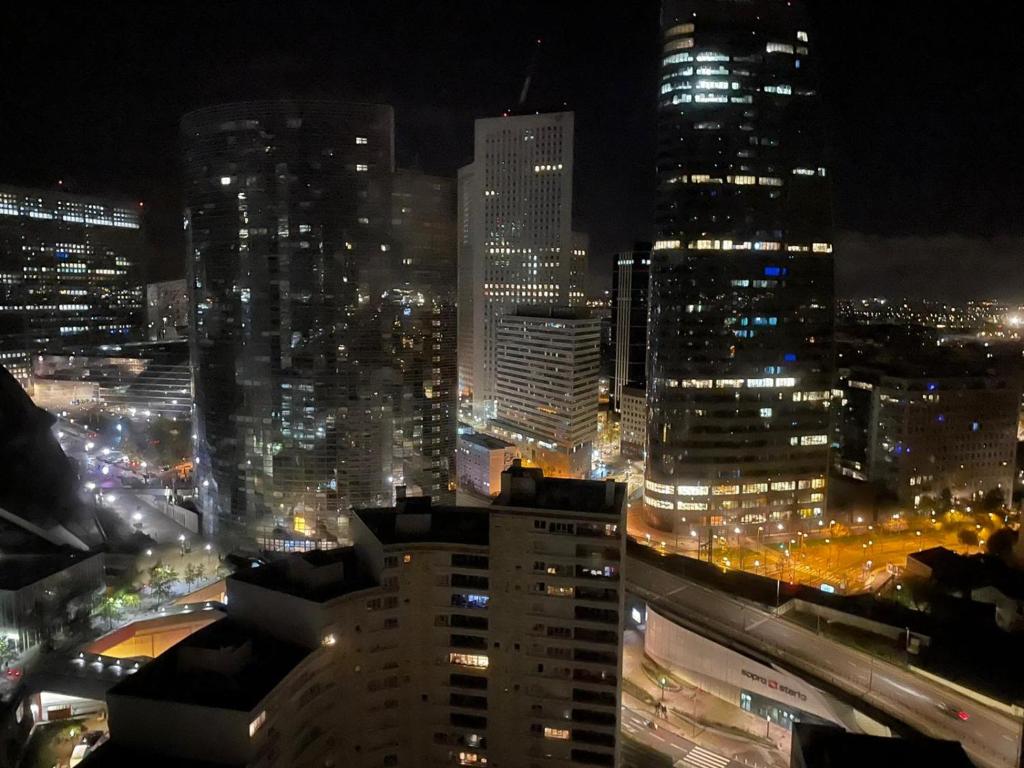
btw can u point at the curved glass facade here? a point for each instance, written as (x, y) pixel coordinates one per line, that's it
(287, 221)
(740, 333)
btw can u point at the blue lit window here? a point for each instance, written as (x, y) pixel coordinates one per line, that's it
(932, 386)
(772, 271)
(790, 357)
(975, 426)
(941, 418)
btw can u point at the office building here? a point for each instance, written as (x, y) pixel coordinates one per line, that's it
(19, 364)
(68, 269)
(917, 432)
(167, 310)
(419, 336)
(516, 243)
(480, 461)
(423, 232)
(546, 371)
(632, 422)
(740, 335)
(630, 282)
(457, 636)
(287, 221)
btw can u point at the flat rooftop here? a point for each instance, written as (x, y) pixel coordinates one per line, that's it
(527, 487)
(418, 521)
(824, 746)
(223, 666)
(318, 575)
(486, 441)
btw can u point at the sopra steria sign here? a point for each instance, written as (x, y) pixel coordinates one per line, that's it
(774, 685)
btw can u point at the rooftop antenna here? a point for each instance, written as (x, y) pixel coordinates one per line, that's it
(529, 73)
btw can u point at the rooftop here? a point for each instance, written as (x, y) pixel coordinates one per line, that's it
(970, 572)
(416, 520)
(223, 666)
(486, 441)
(318, 575)
(113, 755)
(825, 746)
(527, 487)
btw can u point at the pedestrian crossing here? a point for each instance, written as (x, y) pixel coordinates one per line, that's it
(698, 757)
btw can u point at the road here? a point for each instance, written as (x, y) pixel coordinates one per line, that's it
(989, 736)
(677, 747)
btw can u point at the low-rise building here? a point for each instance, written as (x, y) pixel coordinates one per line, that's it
(825, 746)
(480, 460)
(443, 636)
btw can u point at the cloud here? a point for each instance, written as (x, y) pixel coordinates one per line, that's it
(950, 267)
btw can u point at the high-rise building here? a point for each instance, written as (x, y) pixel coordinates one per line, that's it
(740, 335)
(68, 269)
(287, 221)
(516, 244)
(167, 310)
(423, 232)
(547, 362)
(460, 636)
(630, 279)
(632, 422)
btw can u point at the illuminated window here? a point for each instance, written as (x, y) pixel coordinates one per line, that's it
(801, 36)
(779, 48)
(478, 661)
(329, 640)
(225, 181)
(680, 44)
(659, 487)
(692, 490)
(360, 139)
(406, 558)
(556, 733)
(724, 490)
(256, 724)
(766, 413)
(361, 167)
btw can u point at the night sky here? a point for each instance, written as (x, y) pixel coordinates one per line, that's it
(922, 101)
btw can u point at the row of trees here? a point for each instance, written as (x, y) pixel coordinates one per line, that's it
(116, 602)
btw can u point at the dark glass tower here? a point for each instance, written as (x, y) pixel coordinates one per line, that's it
(739, 368)
(630, 285)
(287, 222)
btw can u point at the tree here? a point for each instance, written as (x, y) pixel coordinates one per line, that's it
(161, 577)
(1000, 544)
(993, 500)
(8, 651)
(945, 500)
(968, 537)
(190, 576)
(112, 605)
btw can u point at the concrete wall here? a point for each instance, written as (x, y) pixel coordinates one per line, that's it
(728, 672)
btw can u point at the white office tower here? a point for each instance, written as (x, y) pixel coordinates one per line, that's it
(516, 244)
(547, 367)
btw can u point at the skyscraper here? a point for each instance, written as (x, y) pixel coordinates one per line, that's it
(630, 282)
(740, 359)
(68, 269)
(287, 222)
(547, 365)
(516, 244)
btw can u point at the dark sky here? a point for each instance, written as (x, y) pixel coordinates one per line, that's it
(921, 98)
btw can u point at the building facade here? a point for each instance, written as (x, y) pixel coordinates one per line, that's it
(480, 460)
(68, 269)
(423, 232)
(167, 310)
(740, 337)
(630, 285)
(287, 222)
(516, 244)
(547, 364)
(632, 422)
(918, 435)
(463, 636)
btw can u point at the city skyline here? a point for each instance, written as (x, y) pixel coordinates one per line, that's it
(965, 216)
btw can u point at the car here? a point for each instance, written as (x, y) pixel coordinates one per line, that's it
(651, 724)
(87, 744)
(954, 712)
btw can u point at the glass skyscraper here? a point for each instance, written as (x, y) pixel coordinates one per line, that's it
(740, 360)
(287, 222)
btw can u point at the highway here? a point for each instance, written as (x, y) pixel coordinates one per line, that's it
(990, 737)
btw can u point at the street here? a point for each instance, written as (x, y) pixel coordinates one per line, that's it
(990, 737)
